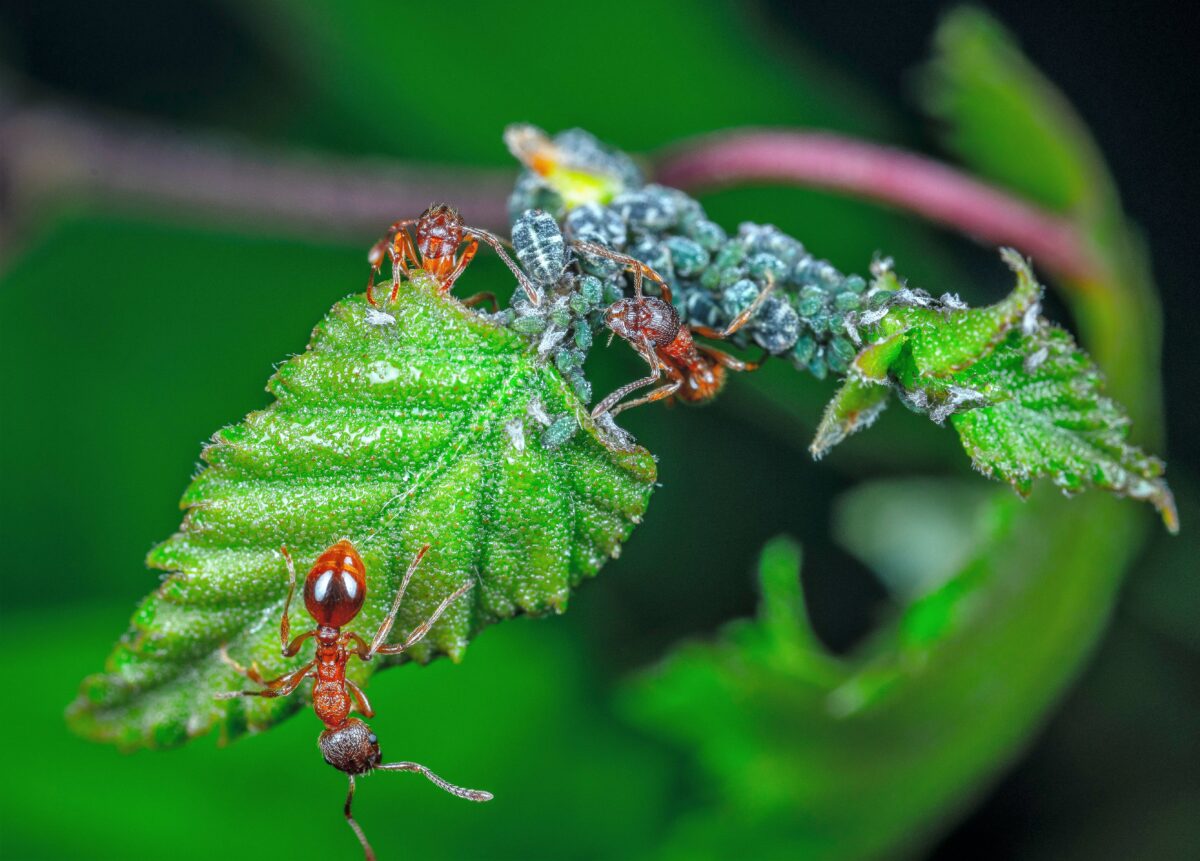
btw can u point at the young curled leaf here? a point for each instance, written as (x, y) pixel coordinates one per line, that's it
(1026, 401)
(419, 423)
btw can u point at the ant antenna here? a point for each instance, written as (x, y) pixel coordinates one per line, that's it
(459, 791)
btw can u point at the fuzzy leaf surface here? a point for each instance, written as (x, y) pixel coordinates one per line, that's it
(417, 426)
(1025, 400)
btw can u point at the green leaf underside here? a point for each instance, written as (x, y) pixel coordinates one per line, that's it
(392, 434)
(1025, 400)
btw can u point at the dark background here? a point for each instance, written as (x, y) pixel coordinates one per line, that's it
(1121, 752)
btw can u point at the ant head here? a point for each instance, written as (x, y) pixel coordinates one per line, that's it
(439, 231)
(351, 747)
(646, 319)
(336, 586)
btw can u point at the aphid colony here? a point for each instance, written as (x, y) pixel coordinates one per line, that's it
(597, 195)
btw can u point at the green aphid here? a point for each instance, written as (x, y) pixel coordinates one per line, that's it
(847, 301)
(731, 276)
(561, 316)
(687, 256)
(529, 325)
(764, 266)
(591, 289)
(560, 431)
(817, 366)
(583, 389)
(839, 354)
(812, 301)
(732, 254)
(708, 234)
(805, 349)
(855, 284)
(579, 304)
(583, 337)
(710, 278)
(567, 361)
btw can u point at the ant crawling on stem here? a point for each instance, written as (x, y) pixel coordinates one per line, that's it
(440, 232)
(695, 372)
(333, 594)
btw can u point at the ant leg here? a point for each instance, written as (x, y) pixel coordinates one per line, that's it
(656, 369)
(418, 633)
(637, 267)
(479, 298)
(461, 264)
(383, 246)
(386, 627)
(535, 298)
(740, 320)
(360, 699)
(252, 672)
(402, 249)
(279, 687)
(657, 395)
(731, 362)
(469, 794)
(368, 852)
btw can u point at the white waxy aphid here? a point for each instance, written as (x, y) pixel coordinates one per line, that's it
(539, 245)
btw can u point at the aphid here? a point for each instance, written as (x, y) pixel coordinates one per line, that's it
(333, 594)
(439, 233)
(695, 372)
(539, 245)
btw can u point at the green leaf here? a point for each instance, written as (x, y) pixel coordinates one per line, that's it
(417, 426)
(1047, 416)
(1025, 400)
(800, 754)
(992, 96)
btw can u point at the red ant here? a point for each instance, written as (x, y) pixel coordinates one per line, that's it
(440, 232)
(333, 593)
(696, 372)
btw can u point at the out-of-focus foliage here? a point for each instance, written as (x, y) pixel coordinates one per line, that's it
(416, 423)
(801, 754)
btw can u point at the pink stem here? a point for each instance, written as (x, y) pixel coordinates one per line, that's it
(905, 180)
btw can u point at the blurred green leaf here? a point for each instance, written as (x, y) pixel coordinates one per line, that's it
(803, 755)
(417, 426)
(992, 96)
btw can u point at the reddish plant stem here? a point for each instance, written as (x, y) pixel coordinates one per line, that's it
(50, 154)
(886, 175)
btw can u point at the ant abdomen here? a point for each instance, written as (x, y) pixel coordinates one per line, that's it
(351, 747)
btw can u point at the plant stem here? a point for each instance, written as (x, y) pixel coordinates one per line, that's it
(50, 154)
(902, 179)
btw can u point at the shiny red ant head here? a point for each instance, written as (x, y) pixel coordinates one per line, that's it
(336, 586)
(439, 231)
(351, 747)
(645, 319)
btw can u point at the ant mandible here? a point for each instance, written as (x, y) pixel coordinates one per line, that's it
(333, 594)
(440, 232)
(696, 372)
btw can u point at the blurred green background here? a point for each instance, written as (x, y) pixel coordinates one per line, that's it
(128, 336)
